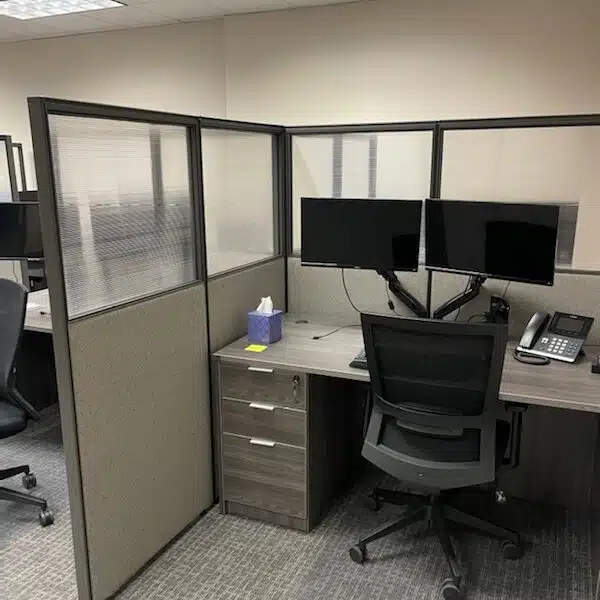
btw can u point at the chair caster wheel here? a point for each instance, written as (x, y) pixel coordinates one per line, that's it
(46, 517)
(372, 503)
(451, 591)
(511, 551)
(358, 553)
(29, 481)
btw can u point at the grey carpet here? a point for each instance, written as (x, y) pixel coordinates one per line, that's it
(234, 558)
(37, 563)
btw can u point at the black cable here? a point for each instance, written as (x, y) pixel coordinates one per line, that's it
(506, 290)
(320, 337)
(391, 305)
(347, 293)
(478, 315)
(530, 359)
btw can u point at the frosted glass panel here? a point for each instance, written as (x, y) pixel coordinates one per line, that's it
(312, 174)
(239, 200)
(554, 165)
(390, 165)
(5, 186)
(124, 209)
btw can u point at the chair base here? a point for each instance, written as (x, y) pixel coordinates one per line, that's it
(437, 514)
(45, 516)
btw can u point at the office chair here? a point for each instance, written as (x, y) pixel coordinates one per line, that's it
(433, 424)
(15, 411)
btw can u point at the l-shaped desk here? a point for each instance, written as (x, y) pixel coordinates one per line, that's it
(285, 425)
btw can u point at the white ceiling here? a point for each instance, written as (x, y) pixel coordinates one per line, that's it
(141, 13)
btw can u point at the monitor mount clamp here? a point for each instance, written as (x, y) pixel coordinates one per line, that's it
(403, 295)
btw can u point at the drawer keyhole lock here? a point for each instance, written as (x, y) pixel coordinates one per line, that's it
(296, 381)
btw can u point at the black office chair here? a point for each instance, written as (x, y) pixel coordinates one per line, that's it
(15, 411)
(433, 424)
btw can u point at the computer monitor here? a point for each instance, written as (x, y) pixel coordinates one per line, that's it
(20, 231)
(510, 241)
(361, 233)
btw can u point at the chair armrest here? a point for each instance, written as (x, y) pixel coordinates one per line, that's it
(16, 397)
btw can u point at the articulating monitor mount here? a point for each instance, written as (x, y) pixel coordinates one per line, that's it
(405, 297)
(472, 291)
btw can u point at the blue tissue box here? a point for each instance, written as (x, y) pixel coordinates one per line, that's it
(264, 328)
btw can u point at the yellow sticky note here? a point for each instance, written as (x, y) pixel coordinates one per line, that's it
(256, 348)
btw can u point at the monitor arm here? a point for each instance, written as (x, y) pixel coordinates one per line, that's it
(472, 291)
(404, 296)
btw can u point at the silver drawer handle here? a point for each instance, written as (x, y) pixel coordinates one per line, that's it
(260, 370)
(259, 442)
(260, 406)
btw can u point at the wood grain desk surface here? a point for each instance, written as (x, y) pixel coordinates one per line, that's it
(559, 385)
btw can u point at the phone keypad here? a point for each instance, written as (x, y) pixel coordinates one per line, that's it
(561, 347)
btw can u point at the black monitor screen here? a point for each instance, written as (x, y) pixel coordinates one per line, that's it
(20, 231)
(369, 234)
(516, 242)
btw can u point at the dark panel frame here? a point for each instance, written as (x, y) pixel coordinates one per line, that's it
(42, 149)
(10, 159)
(19, 148)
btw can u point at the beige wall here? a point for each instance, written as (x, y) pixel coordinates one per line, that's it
(390, 60)
(176, 68)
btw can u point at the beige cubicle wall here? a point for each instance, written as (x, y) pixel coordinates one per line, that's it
(140, 382)
(233, 295)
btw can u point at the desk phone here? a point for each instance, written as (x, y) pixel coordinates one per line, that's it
(559, 338)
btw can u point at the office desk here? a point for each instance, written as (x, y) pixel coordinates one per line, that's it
(38, 303)
(276, 408)
(36, 377)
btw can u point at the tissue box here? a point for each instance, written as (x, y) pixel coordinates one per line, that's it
(264, 328)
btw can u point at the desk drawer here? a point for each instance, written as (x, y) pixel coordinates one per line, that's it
(257, 384)
(263, 420)
(271, 477)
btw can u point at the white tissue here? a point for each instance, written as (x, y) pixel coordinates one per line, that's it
(265, 306)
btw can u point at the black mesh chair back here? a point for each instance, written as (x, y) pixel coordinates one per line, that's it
(435, 386)
(13, 305)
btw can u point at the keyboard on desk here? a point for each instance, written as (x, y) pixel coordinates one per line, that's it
(360, 361)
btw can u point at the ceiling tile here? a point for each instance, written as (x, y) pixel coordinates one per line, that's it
(236, 6)
(76, 23)
(26, 28)
(185, 9)
(298, 3)
(130, 16)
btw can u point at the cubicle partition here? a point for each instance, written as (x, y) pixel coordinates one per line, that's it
(243, 182)
(122, 221)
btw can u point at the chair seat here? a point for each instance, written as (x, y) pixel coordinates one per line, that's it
(13, 420)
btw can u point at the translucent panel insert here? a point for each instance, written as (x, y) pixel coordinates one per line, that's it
(239, 201)
(551, 164)
(388, 165)
(124, 209)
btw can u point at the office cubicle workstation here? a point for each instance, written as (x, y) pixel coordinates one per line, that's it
(155, 257)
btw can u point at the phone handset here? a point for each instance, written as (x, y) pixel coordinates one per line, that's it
(535, 328)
